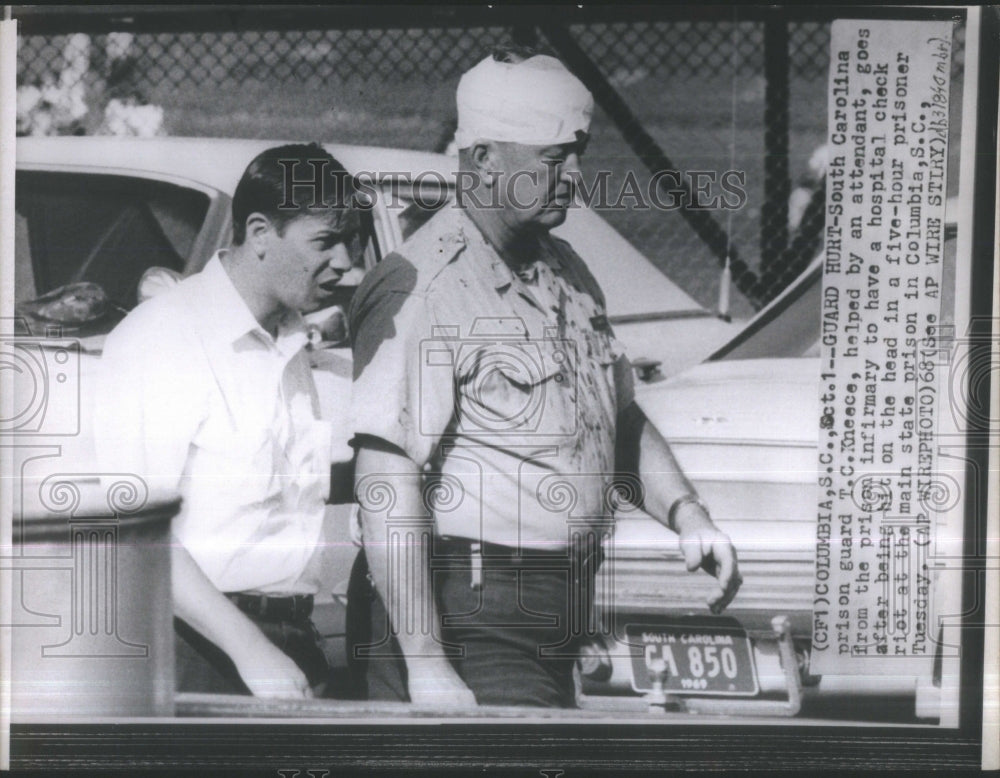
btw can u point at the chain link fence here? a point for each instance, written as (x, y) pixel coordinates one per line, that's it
(703, 98)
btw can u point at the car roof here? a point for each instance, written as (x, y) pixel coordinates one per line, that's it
(214, 162)
(218, 163)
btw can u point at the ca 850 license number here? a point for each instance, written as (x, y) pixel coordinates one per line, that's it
(693, 655)
(703, 664)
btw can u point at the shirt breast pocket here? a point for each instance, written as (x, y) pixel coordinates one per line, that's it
(518, 388)
(237, 461)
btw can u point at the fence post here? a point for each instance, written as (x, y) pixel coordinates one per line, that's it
(774, 212)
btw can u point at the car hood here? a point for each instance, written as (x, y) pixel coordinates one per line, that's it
(767, 401)
(745, 435)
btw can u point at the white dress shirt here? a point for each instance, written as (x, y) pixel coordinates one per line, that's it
(194, 396)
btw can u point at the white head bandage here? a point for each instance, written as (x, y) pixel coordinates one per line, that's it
(537, 102)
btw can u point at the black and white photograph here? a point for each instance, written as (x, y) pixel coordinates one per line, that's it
(527, 389)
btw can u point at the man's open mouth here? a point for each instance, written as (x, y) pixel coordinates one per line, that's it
(330, 284)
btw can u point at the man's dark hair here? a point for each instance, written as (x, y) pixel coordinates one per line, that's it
(273, 185)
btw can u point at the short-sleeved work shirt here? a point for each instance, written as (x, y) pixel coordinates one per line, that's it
(507, 384)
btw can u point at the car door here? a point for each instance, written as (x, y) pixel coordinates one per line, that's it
(75, 227)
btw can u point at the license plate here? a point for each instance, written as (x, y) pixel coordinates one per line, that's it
(701, 655)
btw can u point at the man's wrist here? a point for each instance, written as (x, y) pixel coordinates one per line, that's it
(685, 508)
(241, 638)
(429, 660)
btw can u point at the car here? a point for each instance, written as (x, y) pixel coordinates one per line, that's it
(744, 427)
(103, 222)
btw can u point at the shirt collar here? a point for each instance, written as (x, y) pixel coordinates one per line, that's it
(232, 320)
(500, 271)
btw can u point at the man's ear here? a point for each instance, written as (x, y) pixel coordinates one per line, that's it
(259, 228)
(484, 156)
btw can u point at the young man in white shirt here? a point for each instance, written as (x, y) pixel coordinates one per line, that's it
(205, 391)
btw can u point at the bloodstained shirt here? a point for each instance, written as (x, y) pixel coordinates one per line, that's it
(505, 386)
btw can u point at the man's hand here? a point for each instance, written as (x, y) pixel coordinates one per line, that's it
(705, 545)
(641, 449)
(434, 682)
(405, 589)
(269, 672)
(265, 669)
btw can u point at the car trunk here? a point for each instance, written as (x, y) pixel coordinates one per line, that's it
(745, 435)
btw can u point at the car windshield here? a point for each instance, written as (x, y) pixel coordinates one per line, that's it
(789, 326)
(102, 229)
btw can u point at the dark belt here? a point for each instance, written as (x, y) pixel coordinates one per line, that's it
(582, 559)
(269, 607)
(494, 554)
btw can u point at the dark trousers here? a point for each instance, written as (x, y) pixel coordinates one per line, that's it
(203, 667)
(512, 640)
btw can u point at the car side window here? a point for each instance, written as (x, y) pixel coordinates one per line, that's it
(415, 215)
(103, 229)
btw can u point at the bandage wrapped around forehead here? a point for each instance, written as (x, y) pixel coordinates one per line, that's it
(537, 102)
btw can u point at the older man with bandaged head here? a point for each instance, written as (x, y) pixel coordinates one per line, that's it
(493, 415)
